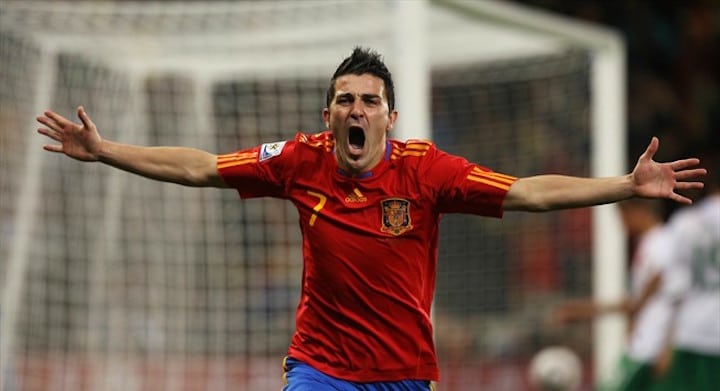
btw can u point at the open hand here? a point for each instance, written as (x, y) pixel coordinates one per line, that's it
(661, 180)
(79, 141)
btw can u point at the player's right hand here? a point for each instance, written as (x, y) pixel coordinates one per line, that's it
(78, 141)
(571, 312)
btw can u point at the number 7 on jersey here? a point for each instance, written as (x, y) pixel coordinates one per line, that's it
(321, 203)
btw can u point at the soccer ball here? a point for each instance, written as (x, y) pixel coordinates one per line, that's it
(555, 368)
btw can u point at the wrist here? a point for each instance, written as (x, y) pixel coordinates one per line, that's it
(627, 185)
(104, 151)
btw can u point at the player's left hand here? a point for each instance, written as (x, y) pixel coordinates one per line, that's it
(652, 179)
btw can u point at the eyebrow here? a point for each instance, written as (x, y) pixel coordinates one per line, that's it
(363, 96)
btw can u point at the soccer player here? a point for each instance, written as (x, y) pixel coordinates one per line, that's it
(695, 362)
(369, 208)
(647, 307)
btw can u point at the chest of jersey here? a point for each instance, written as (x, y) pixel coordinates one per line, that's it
(387, 206)
(379, 229)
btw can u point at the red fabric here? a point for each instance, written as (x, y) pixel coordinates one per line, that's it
(369, 248)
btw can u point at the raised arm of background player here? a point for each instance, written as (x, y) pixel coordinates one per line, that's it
(194, 167)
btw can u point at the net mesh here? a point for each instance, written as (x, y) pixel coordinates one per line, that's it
(131, 284)
(499, 280)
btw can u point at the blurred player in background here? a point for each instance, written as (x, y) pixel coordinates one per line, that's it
(647, 308)
(695, 362)
(369, 210)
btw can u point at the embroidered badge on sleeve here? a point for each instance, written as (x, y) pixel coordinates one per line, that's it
(270, 150)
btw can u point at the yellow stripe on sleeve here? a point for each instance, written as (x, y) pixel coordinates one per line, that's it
(418, 147)
(493, 176)
(413, 153)
(418, 141)
(489, 181)
(236, 163)
(236, 156)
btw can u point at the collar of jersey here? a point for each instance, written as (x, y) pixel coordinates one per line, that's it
(367, 174)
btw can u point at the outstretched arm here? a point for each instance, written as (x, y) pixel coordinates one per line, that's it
(588, 308)
(185, 166)
(649, 179)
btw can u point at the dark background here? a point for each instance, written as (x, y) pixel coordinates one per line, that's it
(673, 58)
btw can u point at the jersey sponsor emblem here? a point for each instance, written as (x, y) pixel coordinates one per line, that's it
(271, 150)
(395, 216)
(355, 197)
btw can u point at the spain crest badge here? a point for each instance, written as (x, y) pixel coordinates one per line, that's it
(395, 216)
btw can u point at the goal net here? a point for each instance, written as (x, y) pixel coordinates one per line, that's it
(115, 282)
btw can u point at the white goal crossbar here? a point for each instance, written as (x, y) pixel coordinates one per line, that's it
(414, 36)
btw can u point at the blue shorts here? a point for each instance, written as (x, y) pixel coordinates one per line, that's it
(302, 377)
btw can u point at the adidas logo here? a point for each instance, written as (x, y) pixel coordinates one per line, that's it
(355, 196)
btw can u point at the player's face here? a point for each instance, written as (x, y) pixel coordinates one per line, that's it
(359, 118)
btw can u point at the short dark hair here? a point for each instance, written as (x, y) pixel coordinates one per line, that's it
(360, 62)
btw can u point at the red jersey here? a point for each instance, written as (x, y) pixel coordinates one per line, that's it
(369, 247)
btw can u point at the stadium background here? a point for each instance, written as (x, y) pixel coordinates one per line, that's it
(490, 313)
(673, 51)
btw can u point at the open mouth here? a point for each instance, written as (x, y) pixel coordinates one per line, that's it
(356, 137)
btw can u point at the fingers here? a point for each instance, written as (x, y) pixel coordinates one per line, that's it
(689, 185)
(53, 148)
(684, 163)
(681, 175)
(57, 129)
(49, 123)
(50, 133)
(55, 123)
(687, 174)
(681, 199)
(652, 148)
(59, 119)
(87, 122)
(53, 135)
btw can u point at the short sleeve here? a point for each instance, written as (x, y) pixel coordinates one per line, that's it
(261, 171)
(464, 187)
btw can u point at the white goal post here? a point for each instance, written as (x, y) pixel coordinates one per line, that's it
(541, 30)
(608, 140)
(160, 72)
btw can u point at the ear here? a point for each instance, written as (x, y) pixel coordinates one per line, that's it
(326, 117)
(391, 123)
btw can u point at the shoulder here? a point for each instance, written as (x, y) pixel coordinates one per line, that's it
(428, 158)
(290, 150)
(659, 243)
(682, 219)
(698, 220)
(303, 144)
(411, 149)
(321, 142)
